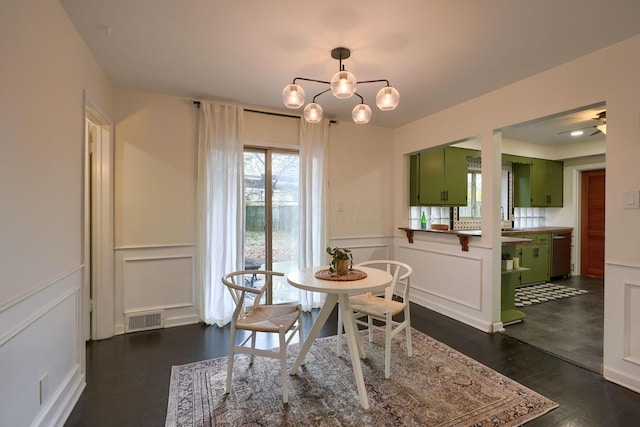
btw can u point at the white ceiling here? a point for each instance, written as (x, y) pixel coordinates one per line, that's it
(556, 129)
(437, 53)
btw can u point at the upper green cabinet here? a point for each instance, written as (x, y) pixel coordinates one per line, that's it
(438, 177)
(537, 183)
(414, 180)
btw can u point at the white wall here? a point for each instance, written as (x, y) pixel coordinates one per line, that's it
(617, 69)
(360, 173)
(155, 196)
(155, 185)
(359, 180)
(44, 69)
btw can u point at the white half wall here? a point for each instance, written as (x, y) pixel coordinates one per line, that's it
(447, 280)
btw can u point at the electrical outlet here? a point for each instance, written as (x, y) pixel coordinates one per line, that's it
(44, 388)
(340, 207)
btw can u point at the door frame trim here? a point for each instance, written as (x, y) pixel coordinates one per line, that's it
(577, 200)
(101, 268)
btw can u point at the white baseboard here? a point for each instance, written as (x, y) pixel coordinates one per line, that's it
(621, 378)
(454, 314)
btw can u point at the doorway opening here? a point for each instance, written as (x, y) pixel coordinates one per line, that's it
(570, 328)
(98, 284)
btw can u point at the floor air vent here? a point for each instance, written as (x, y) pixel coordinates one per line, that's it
(144, 321)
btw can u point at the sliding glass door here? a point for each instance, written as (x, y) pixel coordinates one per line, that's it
(271, 183)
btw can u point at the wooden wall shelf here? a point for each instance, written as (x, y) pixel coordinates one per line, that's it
(463, 236)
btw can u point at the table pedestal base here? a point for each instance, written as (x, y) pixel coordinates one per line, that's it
(356, 348)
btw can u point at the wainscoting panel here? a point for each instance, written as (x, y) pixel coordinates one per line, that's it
(365, 248)
(156, 279)
(447, 276)
(157, 282)
(621, 362)
(41, 354)
(456, 283)
(632, 323)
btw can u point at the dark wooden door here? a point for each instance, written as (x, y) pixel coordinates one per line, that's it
(592, 223)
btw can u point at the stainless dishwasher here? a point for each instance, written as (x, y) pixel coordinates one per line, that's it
(561, 254)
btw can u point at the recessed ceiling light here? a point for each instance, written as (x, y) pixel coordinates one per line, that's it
(576, 133)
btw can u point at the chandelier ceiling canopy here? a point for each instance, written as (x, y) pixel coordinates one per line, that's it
(343, 86)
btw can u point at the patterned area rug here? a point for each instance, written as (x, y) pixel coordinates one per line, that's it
(437, 386)
(544, 292)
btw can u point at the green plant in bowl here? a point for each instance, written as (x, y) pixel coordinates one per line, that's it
(341, 260)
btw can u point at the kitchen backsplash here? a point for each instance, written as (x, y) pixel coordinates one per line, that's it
(528, 217)
(522, 218)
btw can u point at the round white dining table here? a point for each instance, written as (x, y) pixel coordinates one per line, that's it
(338, 293)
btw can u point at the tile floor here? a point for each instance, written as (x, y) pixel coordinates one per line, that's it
(570, 328)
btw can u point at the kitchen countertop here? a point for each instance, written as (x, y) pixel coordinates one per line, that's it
(507, 234)
(531, 230)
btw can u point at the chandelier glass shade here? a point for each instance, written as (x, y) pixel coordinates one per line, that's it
(293, 96)
(361, 114)
(313, 113)
(387, 98)
(343, 86)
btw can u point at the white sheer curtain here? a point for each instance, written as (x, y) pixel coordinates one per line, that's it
(220, 206)
(314, 142)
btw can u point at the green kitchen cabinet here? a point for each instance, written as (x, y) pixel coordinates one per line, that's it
(515, 159)
(438, 177)
(538, 183)
(535, 257)
(522, 185)
(547, 177)
(414, 180)
(508, 312)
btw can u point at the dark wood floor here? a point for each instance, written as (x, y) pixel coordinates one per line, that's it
(128, 375)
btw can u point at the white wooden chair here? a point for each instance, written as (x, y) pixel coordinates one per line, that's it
(283, 320)
(383, 308)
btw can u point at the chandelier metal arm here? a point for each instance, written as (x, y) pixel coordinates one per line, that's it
(327, 90)
(374, 81)
(310, 80)
(324, 91)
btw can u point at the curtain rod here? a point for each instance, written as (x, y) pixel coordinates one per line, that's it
(197, 104)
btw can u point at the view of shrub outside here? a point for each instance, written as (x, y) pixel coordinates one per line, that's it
(282, 171)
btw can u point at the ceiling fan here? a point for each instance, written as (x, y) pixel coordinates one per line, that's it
(600, 128)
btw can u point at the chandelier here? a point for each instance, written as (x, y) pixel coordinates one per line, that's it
(342, 85)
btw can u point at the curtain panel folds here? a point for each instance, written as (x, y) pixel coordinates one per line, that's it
(314, 142)
(220, 206)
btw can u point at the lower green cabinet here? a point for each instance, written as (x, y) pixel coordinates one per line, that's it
(535, 258)
(508, 312)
